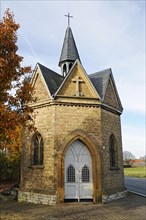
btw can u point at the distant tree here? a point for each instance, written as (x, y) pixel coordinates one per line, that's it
(143, 158)
(127, 157)
(15, 87)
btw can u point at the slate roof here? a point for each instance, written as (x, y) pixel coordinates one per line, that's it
(52, 79)
(69, 50)
(100, 81)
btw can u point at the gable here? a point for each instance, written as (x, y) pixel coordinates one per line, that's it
(77, 84)
(111, 97)
(52, 79)
(40, 89)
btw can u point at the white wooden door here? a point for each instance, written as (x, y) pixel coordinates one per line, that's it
(78, 172)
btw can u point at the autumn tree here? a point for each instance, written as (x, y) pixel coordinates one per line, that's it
(15, 93)
(15, 88)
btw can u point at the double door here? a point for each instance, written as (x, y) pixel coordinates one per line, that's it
(78, 172)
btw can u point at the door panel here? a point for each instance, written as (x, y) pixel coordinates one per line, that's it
(70, 191)
(86, 191)
(78, 172)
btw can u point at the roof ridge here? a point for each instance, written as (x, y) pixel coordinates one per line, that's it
(105, 70)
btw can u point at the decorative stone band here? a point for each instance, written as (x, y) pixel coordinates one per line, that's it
(112, 197)
(37, 198)
(42, 104)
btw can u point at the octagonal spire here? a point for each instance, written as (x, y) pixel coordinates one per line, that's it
(69, 53)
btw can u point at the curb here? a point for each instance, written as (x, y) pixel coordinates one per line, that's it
(139, 194)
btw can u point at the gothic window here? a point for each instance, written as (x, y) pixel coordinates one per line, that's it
(70, 174)
(85, 174)
(112, 150)
(37, 148)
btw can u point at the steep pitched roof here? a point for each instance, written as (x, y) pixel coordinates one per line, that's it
(52, 79)
(100, 81)
(69, 50)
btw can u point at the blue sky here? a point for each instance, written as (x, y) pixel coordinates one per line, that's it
(108, 34)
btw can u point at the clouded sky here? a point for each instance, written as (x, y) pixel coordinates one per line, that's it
(108, 34)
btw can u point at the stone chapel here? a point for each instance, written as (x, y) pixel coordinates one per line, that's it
(76, 152)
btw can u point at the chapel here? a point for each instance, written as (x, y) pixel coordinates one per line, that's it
(75, 154)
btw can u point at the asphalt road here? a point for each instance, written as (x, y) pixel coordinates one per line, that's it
(137, 185)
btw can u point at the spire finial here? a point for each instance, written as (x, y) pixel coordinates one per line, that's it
(69, 16)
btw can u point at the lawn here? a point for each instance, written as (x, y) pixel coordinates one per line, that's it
(135, 171)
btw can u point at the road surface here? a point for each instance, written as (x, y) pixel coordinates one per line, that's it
(137, 185)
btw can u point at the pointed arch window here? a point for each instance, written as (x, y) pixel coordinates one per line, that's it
(38, 149)
(112, 151)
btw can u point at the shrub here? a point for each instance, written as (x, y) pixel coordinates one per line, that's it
(10, 169)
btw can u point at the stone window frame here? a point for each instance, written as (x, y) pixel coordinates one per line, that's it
(113, 154)
(37, 150)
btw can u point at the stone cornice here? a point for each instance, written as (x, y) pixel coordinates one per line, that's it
(111, 109)
(50, 103)
(104, 106)
(77, 97)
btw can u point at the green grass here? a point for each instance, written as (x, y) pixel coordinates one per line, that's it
(135, 172)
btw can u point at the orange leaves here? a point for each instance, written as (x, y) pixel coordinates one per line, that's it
(9, 21)
(15, 144)
(9, 60)
(15, 87)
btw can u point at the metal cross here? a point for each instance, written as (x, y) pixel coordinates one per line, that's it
(78, 81)
(69, 16)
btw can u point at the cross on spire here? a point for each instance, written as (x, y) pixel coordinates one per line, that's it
(69, 16)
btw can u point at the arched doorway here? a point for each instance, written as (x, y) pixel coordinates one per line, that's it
(78, 179)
